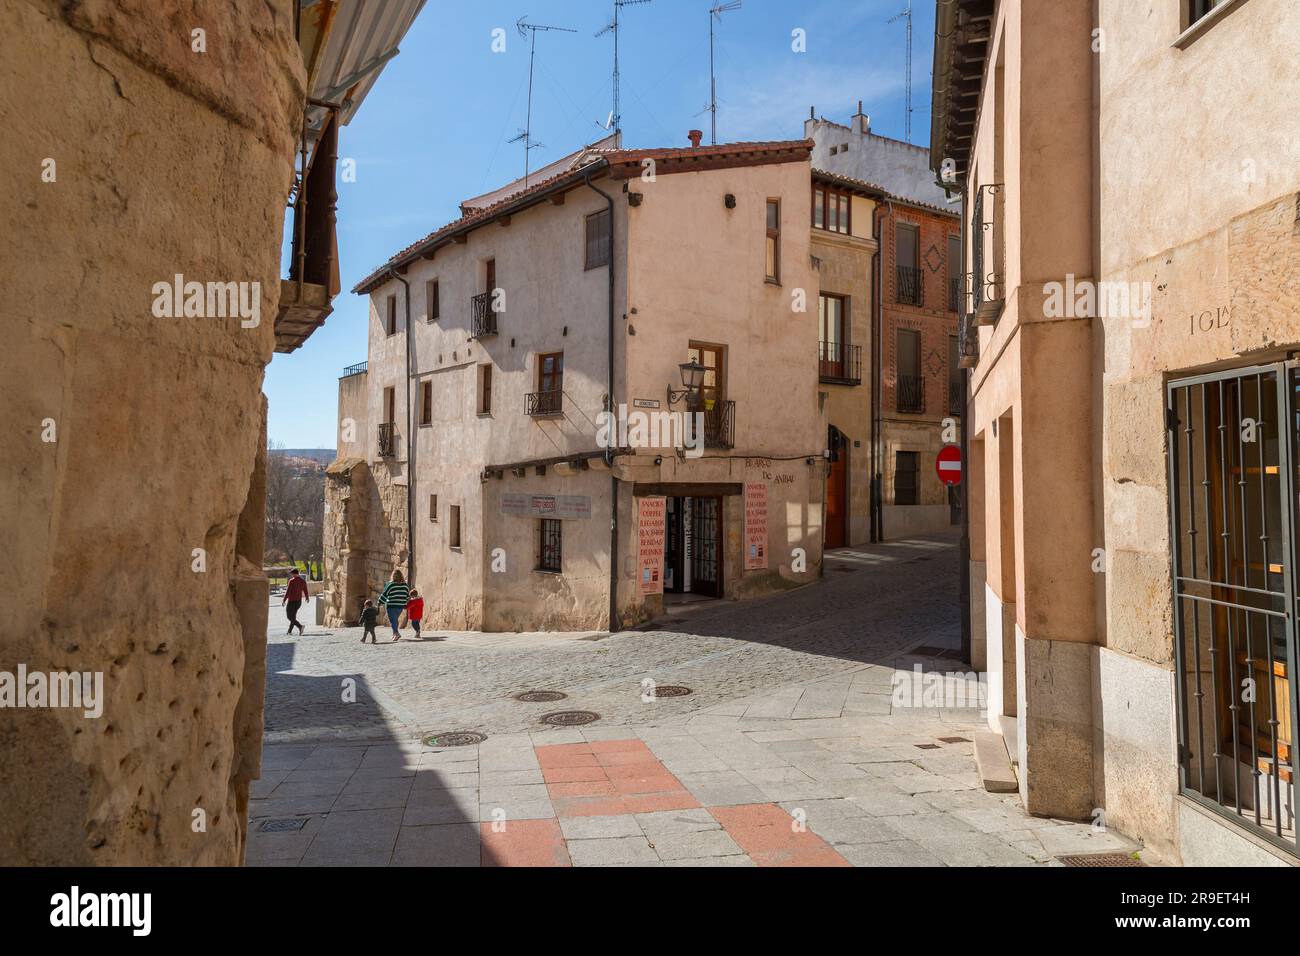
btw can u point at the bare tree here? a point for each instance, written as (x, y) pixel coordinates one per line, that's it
(295, 507)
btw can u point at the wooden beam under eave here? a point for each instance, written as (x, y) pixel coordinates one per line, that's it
(503, 221)
(429, 254)
(557, 199)
(461, 239)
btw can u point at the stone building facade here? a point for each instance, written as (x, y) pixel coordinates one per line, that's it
(845, 250)
(607, 276)
(1131, 333)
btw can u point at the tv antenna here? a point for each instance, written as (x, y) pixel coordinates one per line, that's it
(526, 134)
(615, 118)
(907, 15)
(717, 10)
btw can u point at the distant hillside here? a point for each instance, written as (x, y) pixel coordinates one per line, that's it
(322, 455)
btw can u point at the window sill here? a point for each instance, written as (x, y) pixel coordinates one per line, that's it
(457, 548)
(546, 571)
(484, 414)
(1201, 26)
(770, 281)
(426, 424)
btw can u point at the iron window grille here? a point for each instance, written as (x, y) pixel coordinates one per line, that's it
(1233, 439)
(551, 552)
(483, 321)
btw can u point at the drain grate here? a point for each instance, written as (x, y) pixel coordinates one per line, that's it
(286, 825)
(539, 696)
(570, 718)
(1099, 859)
(454, 738)
(670, 690)
(926, 746)
(955, 740)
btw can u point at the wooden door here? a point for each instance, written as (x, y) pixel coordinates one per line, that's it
(837, 501)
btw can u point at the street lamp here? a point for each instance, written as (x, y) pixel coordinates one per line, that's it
(692, 382)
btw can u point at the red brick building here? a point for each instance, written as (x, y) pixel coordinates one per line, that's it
(920, 382)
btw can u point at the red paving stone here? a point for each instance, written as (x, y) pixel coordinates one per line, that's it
(524, 843)
(609, 778)
(614, 777)
(765, 832)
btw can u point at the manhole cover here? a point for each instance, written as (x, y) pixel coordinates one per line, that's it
(926, 746)
(282, 826)
(1099, 859)
(670, 690)
(570, 718)
(955, 740)
(539, 696)
(454, 738)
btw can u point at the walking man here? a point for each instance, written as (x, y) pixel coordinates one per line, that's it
(294, 595)
(396, 594)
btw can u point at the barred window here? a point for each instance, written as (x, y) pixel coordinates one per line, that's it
(598, 239)
(905, 478)
(550, 553)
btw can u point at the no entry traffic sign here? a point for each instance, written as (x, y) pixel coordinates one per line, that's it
(948, 464)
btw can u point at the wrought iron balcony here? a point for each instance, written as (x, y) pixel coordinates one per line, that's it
(956, 398)
(358, 369)
(986, 280)
(910, 397)
(954, 293)
(483, 321)
(839, 364)
(720, 425)
(968, 341)
(911, 286)
(387, 439)
(544, 403)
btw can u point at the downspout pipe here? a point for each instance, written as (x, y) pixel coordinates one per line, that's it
(610, 407)
(877, 358)
(410, 437)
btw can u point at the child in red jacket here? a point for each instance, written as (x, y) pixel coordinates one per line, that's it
(415, 610)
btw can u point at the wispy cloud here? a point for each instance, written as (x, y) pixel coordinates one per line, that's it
(768, 105)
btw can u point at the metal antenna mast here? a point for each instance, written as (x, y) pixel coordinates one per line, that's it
(615, 117)
(717, 10)
(526, 134)
(907, 14)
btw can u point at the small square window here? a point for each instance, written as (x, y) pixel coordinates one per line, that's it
(551, 545)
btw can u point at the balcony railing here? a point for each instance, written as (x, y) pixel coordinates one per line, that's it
(911, 394)
(544, 403)
(911, 286)
(387, 439)
(358, 369)
(839, 364)
(954, 293)
(720, 425)
(986, 278)
(483, 321)
(956, 398)
(968, 340)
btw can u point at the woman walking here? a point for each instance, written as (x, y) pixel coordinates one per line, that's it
(394, 597)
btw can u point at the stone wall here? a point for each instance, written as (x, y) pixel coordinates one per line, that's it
(130, 486)
(365, 535)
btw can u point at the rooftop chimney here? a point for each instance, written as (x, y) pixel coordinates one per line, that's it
(694, 135)
(861, 123)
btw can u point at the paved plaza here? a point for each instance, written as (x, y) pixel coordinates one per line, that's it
(789, 750)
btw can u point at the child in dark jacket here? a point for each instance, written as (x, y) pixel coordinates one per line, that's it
(369, 615)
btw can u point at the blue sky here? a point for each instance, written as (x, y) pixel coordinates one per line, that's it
(434, 129)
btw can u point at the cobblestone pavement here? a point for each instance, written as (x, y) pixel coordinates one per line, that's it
(788, 751)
